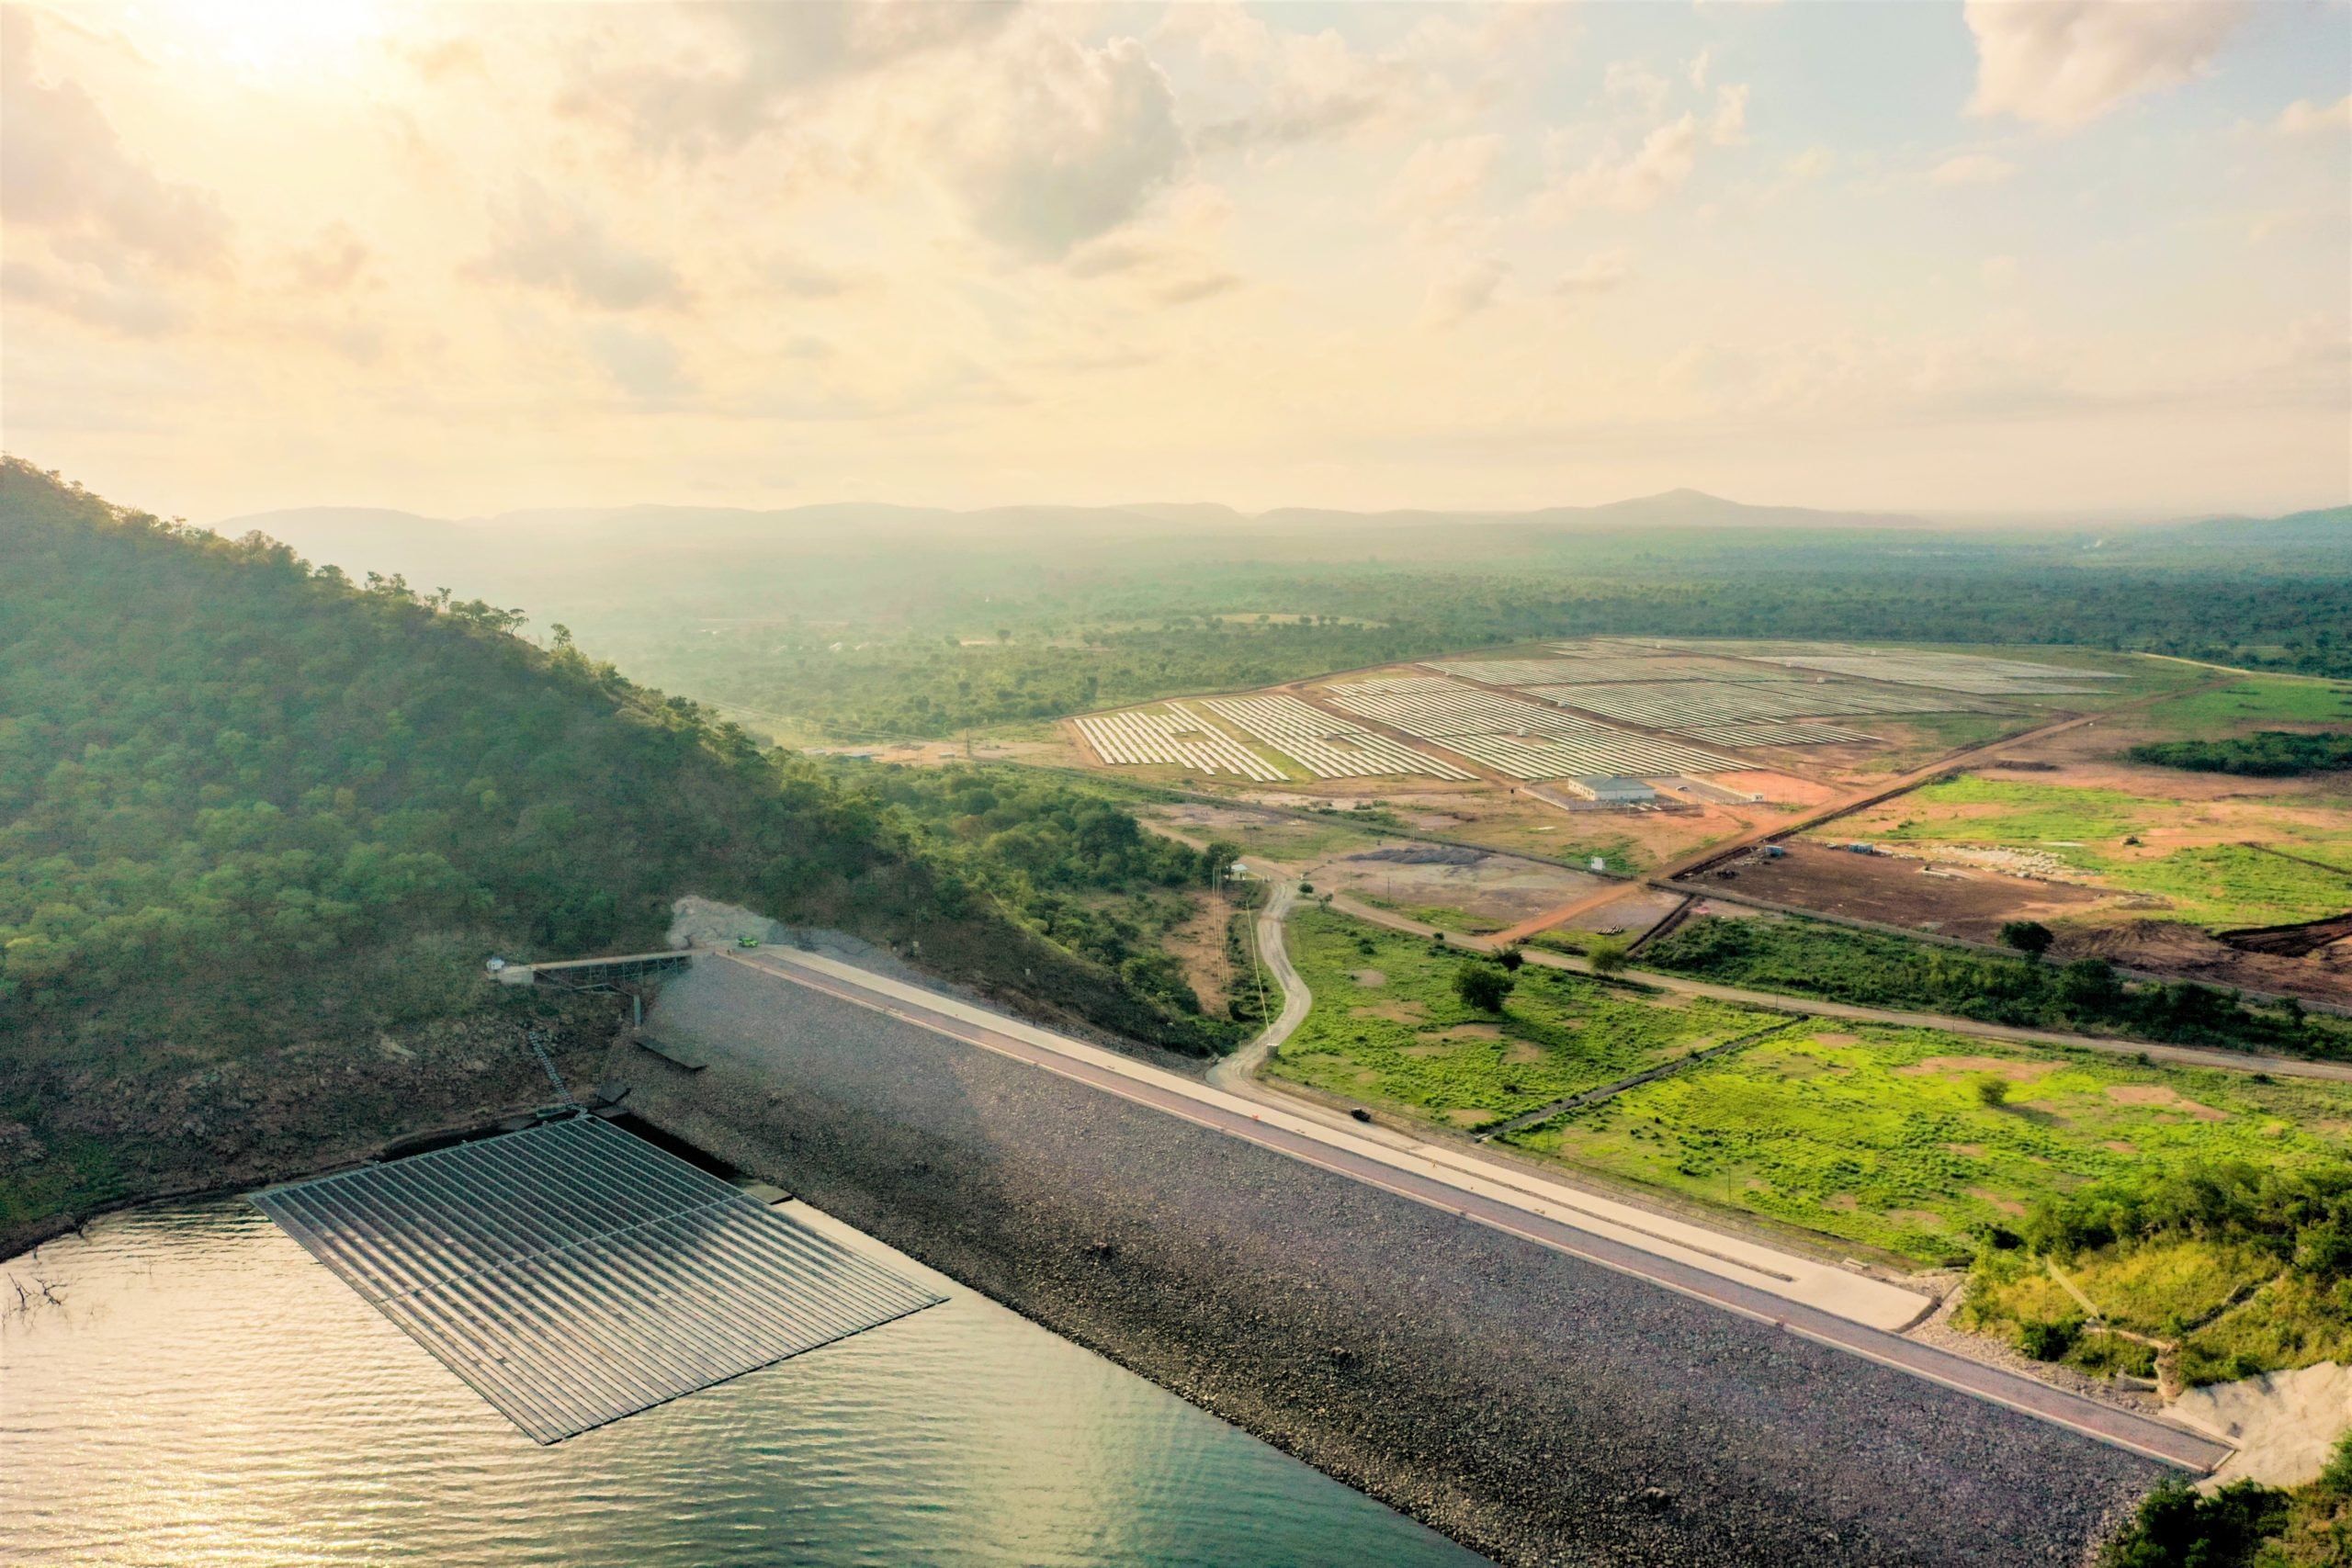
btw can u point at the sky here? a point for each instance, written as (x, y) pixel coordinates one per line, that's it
(2031, 256)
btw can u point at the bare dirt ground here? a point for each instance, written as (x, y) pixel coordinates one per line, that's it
(2169, 947)
(1970, 903)
(1493, 890)
(1199, 945)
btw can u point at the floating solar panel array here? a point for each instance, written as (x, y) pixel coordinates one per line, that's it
(1324, 746)
(1171, 735)
(573, 1274)
(1523, 739)
(1677, 705)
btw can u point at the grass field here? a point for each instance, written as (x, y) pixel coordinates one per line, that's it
(1387, 1028)
(2250, 704)
(1885, 1137)
(2223, 883)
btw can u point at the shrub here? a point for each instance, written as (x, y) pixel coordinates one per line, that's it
(2177, 1528)
(1992, 1089)
(1482, 985)
(2029, 937)
(2048, 1340)
(1607, 954)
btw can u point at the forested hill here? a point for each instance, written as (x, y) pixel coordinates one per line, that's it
(260, 825)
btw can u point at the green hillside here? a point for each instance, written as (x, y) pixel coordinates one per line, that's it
(260, 825)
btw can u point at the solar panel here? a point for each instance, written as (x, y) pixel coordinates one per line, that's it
(573, 1274)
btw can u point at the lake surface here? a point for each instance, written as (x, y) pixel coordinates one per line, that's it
(207, 1394)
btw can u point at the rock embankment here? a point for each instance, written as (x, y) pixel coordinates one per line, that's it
(1537, 1408)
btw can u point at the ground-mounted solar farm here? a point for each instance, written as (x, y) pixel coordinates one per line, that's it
(1644, 753)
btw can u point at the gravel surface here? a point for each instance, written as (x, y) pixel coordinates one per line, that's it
(1535, 1407)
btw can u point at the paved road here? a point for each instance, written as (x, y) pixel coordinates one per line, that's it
(1725, 1271)
(2183, 1056)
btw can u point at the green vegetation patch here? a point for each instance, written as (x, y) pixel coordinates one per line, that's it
(2249, 703)
(1814, 958)
(2214, 884)
(1920, 1143)
(1388, 1027)
(2265, 754)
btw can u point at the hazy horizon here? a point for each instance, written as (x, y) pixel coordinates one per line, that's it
(2054, 259)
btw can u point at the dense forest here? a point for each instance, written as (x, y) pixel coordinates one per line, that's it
(1225, 626)
(257, 813)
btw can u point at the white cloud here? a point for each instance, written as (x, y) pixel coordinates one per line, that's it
(1442, 175)
(1461, 289)
(1730, 128)
(1634, 83)
(549, 244)
(1697, 70)
(1064, 143)
(1810, 163)
(775, 53)
(1306, 87)
(63, 169)
(642, 363)
(2063, 64)
(2304, 118)
(1628, 182)
(1596, 274)
(1971, 169)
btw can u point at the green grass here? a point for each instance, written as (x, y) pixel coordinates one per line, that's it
(2213, 885)
(1410, 1045)
(2251, 705)
(1842, 1139)
(2291, 1322)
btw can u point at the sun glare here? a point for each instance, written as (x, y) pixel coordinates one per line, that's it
(267, 38)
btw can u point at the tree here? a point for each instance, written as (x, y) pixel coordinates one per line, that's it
(1482, 985)
(2029, 937)
(1512, 958)
(1607, 954)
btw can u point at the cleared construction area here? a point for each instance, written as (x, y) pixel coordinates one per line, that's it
(572, 1274)
(1168, 734)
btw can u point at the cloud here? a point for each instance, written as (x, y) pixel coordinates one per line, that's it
(1730, 127)
(88, 295)
(642, 363)
(1442, 175)
(1064, 143)
(2304, 118)
(774, 53)
(1596, 274)
(333, 262)
(63, 169)
(1628, 182)
(2063, 64)
(547, 245)
(1810, 163)
(1463, 289)
(1308, 86)
(1637, 83)
(805, 280)
(1697, 70)
(1204, 285)
(1971, 169)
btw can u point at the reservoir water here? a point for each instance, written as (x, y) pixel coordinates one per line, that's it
(207, 1396)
